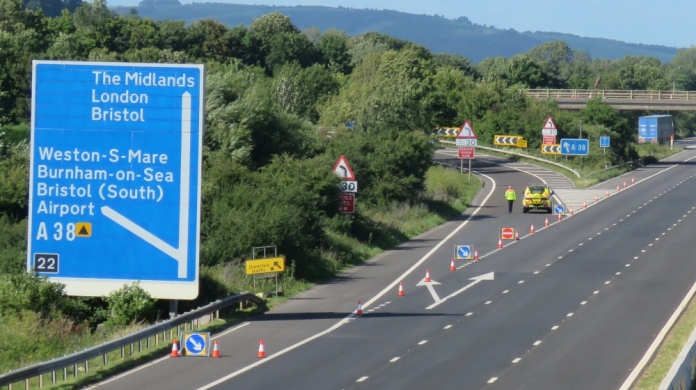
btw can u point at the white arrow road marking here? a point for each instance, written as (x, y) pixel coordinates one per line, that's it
(476, 280)
(178, 254)
(430, 287)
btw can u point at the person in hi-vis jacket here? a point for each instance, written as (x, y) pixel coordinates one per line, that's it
(511, 197)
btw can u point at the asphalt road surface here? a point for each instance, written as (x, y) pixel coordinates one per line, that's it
(574, 305)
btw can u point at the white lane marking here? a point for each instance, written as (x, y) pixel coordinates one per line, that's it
(583, 302)
(607, 282)
(448, 326)
(642, 251)
(548, 265)
(554, 327)
(506, 291)
(516, 360)
(569, 315)
(394, 359)
(635, 258)
(476, 280)
(161, 359)
(570, 250)
(362, 379)
(376, 297)
(595, 293)
(495, 378)
(469, 313)
(618, 273)
(536, 272)
(537, 342)
(658, 340)
(422, 342)
(520, 282)
(628, 265)
(559, 257)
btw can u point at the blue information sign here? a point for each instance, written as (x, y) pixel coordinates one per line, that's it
(575, 146)
(604, 142)
(115, 176)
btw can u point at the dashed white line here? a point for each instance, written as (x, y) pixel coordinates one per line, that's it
(596, 292)
(607, 282)
(618, 273)
(495, 378)
(448, 326)
(548, 265)
(537, 342)
(394, 359)
(516, 360)
(520, 282)
(362, 379)
(506, 291)
(469, 313)
(488, 302)
(569, 315)
(583, 302)
(536, 272)
(422, 342)
(628, 265)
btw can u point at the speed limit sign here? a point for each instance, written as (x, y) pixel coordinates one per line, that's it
(348, 186)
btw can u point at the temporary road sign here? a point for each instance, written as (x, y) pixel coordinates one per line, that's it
(548, 139)
(521, 143)
(196, 343)
(467, 135)
(265, 266)
(604, 142)
(464, 252)
(575, 146)
(559, 209)
(343, 169)
(507, 233)
(116, 152)
(549, 127)
(348, 186)
(466, 152)
(448, 132)
(506, 140)
(346, 203)
(551, 149)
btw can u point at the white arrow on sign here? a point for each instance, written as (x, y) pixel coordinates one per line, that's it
(196, 346)
(179, 254)
(476, 280)
(430, 287)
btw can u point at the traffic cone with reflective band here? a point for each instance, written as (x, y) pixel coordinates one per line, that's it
(500, 243)
(262, 350)
(632, 181)
(475, 254)
(624, 184)
(596, 199)
(546, 222)
(216, 351)
(570, 210)
(452, 267)
(617, 188)
(531, 229)
(401, 289)
(607, 194)
(559, 217)
(517, 235)
(584, 205)
(358, 312)
(427, 275)
(175, 349)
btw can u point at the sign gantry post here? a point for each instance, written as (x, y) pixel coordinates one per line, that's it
(115, 176)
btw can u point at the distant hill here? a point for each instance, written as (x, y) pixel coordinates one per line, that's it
(437, 33)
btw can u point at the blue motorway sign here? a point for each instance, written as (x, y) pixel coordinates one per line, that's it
(559, 209)
(115, 176)
(463, 252)
(196, 344)
(604, 141)
(575, 146)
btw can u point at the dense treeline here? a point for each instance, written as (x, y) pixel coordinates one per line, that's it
(278, 105)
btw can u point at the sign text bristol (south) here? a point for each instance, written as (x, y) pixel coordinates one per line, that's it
(115, 176)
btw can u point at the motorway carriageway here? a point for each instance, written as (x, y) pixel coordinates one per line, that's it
(575, 305)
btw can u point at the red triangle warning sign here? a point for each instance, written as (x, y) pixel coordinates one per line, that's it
(343, 169)
(550, 124)
(467, 131)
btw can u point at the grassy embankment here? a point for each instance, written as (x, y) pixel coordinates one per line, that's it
(447, 194)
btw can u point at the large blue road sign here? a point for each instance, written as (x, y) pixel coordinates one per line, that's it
(115, 176)
(575, 146)
(604, 141)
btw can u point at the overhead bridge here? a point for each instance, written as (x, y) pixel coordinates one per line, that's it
(576, 99)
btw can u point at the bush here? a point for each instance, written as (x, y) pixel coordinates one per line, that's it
(130, 303)
(19, 292)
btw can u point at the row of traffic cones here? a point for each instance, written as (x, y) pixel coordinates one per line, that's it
(176, 351)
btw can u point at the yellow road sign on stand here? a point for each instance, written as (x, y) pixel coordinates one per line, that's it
(506, 140)
(522, 143)
(264, 266)
(551, 149)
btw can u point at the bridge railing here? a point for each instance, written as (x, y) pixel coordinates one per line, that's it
(610, 94)
(157, 333)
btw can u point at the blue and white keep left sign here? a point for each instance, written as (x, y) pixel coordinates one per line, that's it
(196, 343)
(559, 209)
(463, 252)
(115, 176)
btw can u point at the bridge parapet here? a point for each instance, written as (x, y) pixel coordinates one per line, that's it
(575, 99)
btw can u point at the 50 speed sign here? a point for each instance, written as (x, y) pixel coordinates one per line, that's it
(348, 186)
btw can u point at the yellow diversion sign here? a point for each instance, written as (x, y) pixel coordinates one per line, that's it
(264, 266)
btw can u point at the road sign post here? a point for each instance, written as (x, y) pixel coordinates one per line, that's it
(115, 176)
(466, 140)
(264, 266)
(604, 143)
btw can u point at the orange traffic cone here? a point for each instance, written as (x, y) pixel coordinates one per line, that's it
(452, 267)
(500, 243)
(596, 199)
(475, 254)
(546, 222)
(517, 235)
(632, 181)
(617, 188)
(531, 230)
(216, 351)
(570, 210)
(358, 312)
(401, 289)
(607, 194)
(175, 349)
(427, 275)
(559, 217)
(624, 184)
(262, 350)
(584, 205)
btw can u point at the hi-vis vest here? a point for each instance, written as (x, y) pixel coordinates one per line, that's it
(510, 195)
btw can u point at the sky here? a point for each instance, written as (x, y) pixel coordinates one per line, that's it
(660, 22)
